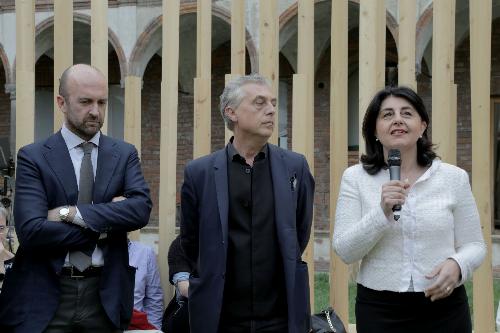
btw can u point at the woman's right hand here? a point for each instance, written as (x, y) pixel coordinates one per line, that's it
(393, 193)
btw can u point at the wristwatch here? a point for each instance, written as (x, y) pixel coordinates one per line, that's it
(64, 214)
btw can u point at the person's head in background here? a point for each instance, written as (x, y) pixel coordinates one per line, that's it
(3, 224)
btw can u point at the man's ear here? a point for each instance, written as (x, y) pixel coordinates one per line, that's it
(61, 103)
(230, 113)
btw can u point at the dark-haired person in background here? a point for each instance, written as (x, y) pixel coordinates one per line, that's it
(412, 270)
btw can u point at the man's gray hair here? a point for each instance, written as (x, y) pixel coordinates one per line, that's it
(233, 94)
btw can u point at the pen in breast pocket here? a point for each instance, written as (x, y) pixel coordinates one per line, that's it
(293, 182)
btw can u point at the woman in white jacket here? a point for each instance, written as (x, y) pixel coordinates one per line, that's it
(413, 269)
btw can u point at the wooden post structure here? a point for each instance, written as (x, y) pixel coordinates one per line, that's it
(371, 56)
(25, 72)
(168, 140)
(339, 272)
(63, 49)
(202, 82)
(269, 51)
(238, 38)
(305, 66)
(406, 50)
(443, 67)
(482, 155)
(99, 41)
(132, 121)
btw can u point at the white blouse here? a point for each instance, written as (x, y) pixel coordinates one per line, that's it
(439, 220)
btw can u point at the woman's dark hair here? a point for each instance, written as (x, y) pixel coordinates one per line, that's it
(374, 160)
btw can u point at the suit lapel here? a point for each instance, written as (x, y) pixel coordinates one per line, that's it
(107, 160)
(59, 160)
(282, 189)
(222, 189)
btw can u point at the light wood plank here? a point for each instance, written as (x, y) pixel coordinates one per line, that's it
(202, 117)
(238, 37)
(132, 121)
(371, 56)
(406, 49)
(204, 39)
(99, 41)
(63, 49)
(443, 53)
(482, 156)
(168, 140)
(305, 66)
(339, 272)
(25, 72)
(269, 51)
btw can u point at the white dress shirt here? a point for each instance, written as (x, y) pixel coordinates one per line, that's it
(73, 142)
(439, 220)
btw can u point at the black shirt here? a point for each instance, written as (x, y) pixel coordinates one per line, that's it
(255, 284)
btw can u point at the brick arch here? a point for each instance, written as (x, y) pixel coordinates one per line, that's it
(86, 19)
(138, 61)
(6, 66)
(292, 11)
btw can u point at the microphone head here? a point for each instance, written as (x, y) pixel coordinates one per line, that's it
(394, 157)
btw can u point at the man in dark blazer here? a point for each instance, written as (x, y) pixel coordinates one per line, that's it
(45, 291)
(246, 220)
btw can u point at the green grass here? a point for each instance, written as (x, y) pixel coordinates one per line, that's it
(322, 289)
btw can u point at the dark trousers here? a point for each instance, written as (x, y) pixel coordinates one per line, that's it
(80, 309)
(411, 312)
(275, 325)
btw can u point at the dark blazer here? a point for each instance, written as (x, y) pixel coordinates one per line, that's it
(46, 179)
(204, 233)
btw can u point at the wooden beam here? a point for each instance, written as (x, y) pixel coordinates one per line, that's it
(371, 56)
(444, 135)
(25, 72)
(202, 117)
(406, 50)
(238, 37)
(305, 66)
(63, 49)
(132, 121)
(269, 51)
(482, 155)
(168, 139)
(339, 272)
(204, 39)
(202, 83)
(99, 41)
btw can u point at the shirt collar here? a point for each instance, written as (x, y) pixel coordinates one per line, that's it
(234, 155)
(72, 140)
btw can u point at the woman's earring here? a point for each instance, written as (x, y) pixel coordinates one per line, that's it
(376, 139)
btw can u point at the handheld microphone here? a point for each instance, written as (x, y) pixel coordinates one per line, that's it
(394, 161)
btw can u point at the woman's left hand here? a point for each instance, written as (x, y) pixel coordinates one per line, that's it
(448, 275)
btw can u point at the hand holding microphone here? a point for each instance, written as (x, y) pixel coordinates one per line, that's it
(394, 192)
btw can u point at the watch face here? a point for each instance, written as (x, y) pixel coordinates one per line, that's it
(63, 213)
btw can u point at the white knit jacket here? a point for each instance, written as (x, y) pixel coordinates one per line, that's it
(439, 220)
